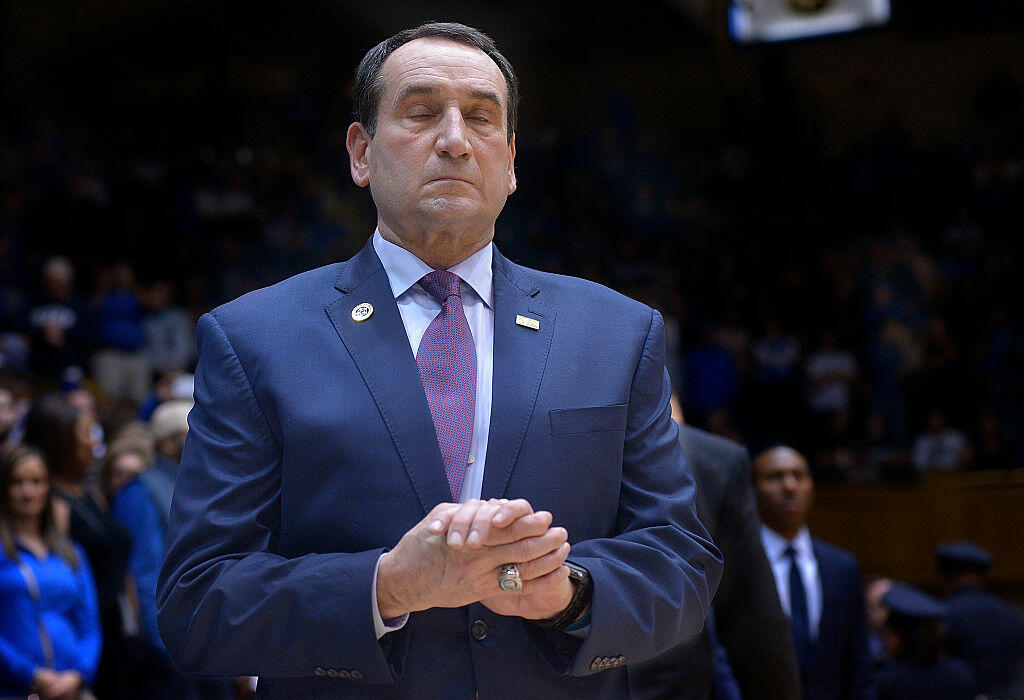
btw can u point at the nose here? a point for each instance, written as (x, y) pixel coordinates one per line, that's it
(453, 138)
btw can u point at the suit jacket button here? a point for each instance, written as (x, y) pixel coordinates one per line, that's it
(595, 665)
(344, 674)
(319, 671)
(479, 630)
(357, 674)
(332, 672)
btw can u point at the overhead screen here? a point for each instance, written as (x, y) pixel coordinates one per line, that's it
(754, 21)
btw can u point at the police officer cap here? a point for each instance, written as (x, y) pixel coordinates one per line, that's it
(908, 601)
(965, 554)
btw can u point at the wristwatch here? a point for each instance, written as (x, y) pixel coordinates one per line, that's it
(584, 589)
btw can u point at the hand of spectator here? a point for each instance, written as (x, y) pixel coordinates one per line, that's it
(54, 685)
(436, 565)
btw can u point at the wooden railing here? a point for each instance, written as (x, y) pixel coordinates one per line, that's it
(893, 529)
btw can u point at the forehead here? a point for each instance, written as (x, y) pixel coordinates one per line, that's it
(442, 64)
(28, 466)
(781, 460)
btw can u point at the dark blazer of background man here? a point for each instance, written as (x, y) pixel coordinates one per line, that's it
(751, 626)
(836, 664)
(314, 541)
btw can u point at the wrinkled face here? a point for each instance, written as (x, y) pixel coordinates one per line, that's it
(29, 488)
(440, 157)
(785, 491)
(123, 469)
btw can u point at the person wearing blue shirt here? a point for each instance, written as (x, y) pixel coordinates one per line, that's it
(50, 636)
(133, 507)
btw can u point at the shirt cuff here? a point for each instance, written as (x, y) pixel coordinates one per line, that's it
(380, 625)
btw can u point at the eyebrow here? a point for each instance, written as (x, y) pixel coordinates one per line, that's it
(420, 89)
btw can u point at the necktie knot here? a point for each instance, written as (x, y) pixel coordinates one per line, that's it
(441, 284)
(790, 554)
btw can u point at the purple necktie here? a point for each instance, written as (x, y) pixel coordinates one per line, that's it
(447, 362)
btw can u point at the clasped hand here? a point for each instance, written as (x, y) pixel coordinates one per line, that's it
(452, 557)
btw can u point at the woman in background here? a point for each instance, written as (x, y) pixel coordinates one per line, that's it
(64, 434)
(49, 623)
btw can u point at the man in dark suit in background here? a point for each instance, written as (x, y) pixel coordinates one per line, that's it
(818, 584)
(751, 627)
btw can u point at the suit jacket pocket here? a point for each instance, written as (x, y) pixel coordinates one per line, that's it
(593, 419)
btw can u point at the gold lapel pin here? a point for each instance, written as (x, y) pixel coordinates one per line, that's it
(527, 322)
(362, 312)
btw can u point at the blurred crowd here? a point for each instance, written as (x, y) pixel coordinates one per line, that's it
(855, 301)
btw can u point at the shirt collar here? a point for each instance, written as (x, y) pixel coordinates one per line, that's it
(405, 270)
(775, 544)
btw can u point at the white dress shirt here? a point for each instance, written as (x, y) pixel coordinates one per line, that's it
(418, 309)
(775, 547)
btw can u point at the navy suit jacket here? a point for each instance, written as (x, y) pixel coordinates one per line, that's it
(311, 450)
(840, 665)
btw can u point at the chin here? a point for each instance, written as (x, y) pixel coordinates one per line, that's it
(452, 209)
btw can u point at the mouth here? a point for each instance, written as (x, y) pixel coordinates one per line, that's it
(451, 178)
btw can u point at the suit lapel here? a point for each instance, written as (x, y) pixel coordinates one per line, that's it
(520, 355)
(829, 584)
(379, 346)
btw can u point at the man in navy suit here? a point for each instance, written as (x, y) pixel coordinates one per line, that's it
(428, 471)
(819, 585)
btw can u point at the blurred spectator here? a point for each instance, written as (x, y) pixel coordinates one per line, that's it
(913, 640)
(883, 458)
(171, 385)
(11, 411)
(125, 460)
(819, 585)
(50, 630)
(119, 365)
(888, 365)
(142, 506)
(992, 449)
(169, 425)
(831, 372)
(710, 378)
(58, 323)
(939, 448)
(838, 456)
(62, 431)
(775, 385)
(170, 331)
(877, 613)
(984, 630)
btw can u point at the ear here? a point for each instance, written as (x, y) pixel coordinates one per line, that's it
(512, 165)
(357, 141)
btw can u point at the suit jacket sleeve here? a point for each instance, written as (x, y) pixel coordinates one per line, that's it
(654, 579)
(857, 664)
(223, 593)
(751, 624)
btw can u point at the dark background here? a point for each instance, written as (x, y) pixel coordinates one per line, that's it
(868, 185)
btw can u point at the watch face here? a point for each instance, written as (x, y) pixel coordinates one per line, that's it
(577, 573)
